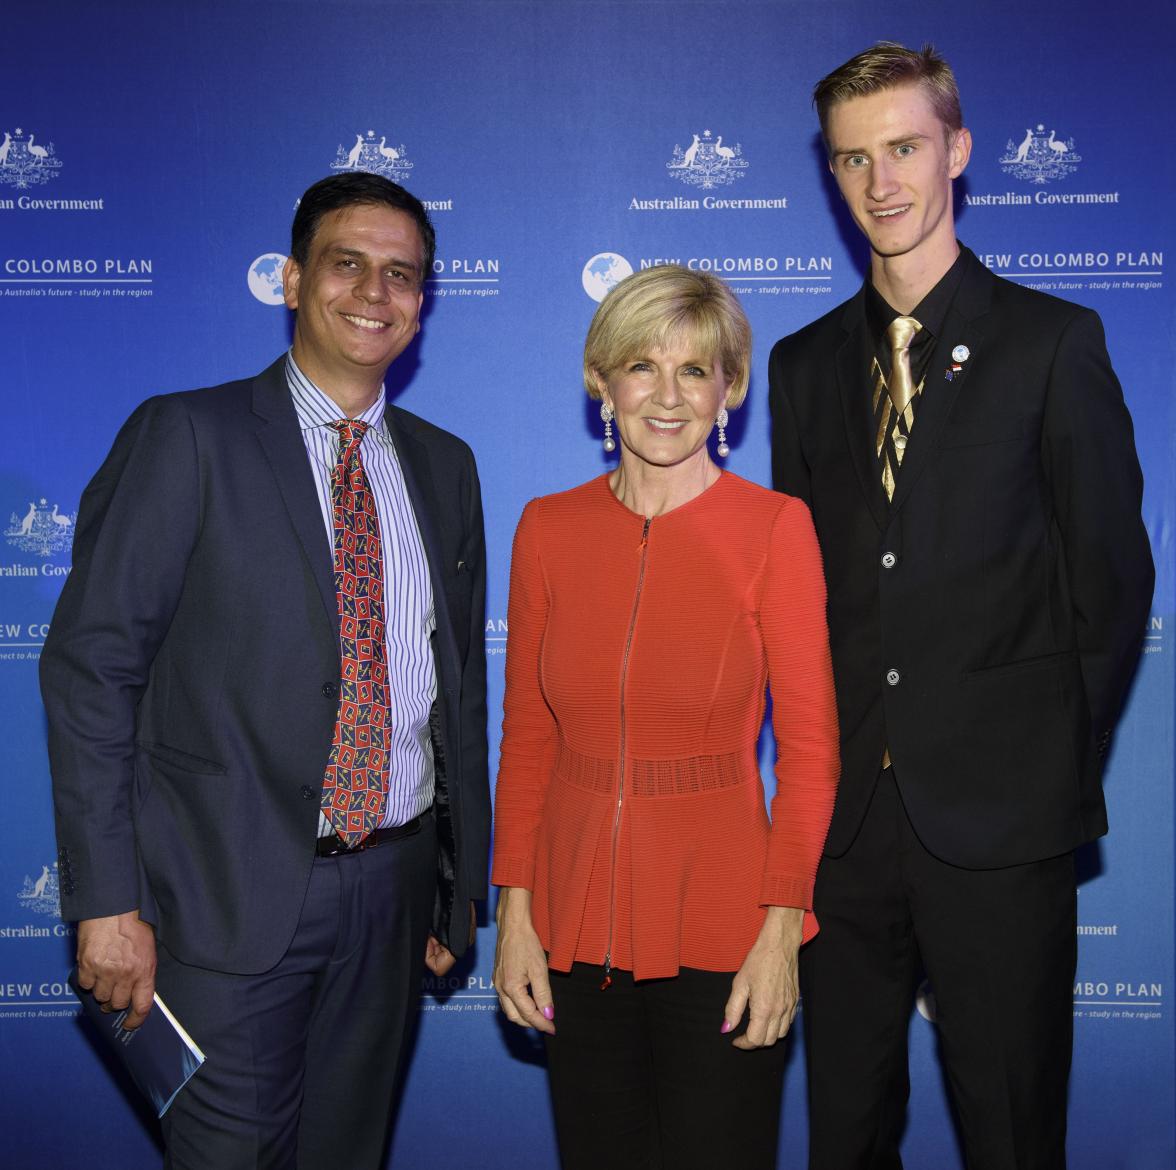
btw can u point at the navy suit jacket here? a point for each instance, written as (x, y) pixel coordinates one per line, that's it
(191, 674)
(985, 623)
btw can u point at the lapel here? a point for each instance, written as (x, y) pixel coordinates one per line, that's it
(852, 362)
(281, 441)
(422, 495)
(964, 325)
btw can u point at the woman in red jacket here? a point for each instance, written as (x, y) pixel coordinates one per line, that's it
(650, 912)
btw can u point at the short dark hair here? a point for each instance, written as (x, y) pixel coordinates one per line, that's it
(358, 189)
(888, 65)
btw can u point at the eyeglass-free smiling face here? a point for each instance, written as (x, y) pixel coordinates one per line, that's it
(894, 162)
(359, 295)
(666, 401)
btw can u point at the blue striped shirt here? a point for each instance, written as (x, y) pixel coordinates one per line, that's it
(409, 614)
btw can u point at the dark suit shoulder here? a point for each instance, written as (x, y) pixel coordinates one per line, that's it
(984, 291)
(266, 392)
(817, 332)
(213, 396)
(209, 402)
(444, 443)
(1008, 296)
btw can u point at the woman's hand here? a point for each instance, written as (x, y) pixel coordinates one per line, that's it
(520, 964)
(767, 982)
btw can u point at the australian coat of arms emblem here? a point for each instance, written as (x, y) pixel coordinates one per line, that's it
(25, 162)
(41, 530)
(375, 157)
(1040, 157)
(707, 163)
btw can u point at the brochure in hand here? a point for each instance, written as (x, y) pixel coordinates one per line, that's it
(159, 1054)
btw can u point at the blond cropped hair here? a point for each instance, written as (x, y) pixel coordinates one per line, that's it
(888, 65)
(664, 304)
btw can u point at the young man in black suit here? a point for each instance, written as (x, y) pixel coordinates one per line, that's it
(265, 683)
(965, 449)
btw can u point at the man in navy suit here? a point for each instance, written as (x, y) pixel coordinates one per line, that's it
(198, 679)
(969, 461)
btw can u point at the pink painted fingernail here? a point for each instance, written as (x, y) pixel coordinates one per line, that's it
(549, 1012)
(727, 1026)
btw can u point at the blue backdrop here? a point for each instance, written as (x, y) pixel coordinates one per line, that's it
(150, 162)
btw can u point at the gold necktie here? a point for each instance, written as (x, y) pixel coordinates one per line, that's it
(897, 416)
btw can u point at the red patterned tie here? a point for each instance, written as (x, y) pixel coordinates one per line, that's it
(356, 780)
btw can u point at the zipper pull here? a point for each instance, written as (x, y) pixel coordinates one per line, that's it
(645, 534)
(607, 958)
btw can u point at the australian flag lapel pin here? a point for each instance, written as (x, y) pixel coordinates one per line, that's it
(959, 355)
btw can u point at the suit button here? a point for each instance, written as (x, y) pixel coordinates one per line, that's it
(889, 560)
(308, 793)
(893, 677)
(330, 690)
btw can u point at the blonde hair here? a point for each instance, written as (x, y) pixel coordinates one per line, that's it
(888, 65)
(652, 307)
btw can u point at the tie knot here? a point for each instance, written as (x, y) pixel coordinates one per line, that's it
(901, 332)
(351, 432)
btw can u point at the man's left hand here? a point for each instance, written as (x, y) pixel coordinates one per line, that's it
(438, 957)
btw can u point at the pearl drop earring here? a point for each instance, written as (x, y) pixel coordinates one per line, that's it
(606, 413)
(722, 450)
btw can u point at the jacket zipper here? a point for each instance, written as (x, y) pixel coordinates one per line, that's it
(643, 548)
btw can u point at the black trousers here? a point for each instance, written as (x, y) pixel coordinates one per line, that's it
(642, 1079)
(999, 949)
(303, 1060)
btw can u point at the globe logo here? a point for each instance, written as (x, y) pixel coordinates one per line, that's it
(604, 270)
(265, 278)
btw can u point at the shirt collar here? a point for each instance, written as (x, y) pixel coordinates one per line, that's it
(930, 312)
(317, 409)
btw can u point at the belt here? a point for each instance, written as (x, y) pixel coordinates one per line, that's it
(334, 846)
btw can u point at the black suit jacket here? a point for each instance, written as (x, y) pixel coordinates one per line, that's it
(985, 623)
(191, 673)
